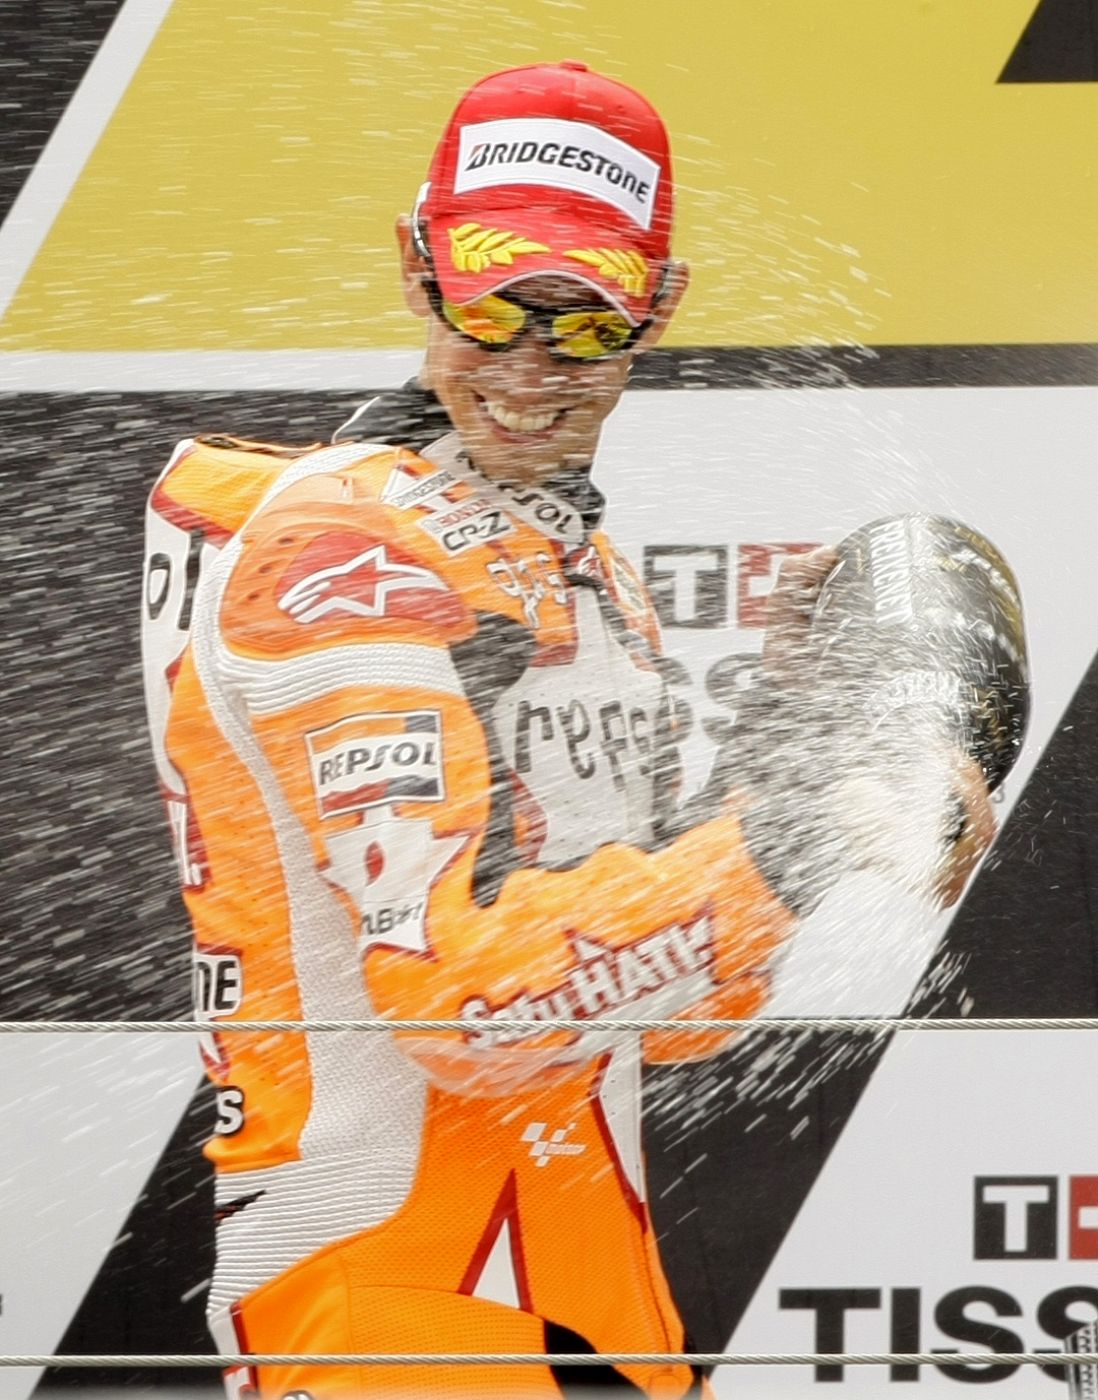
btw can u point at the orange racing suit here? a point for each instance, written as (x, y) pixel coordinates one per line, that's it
(417, 757)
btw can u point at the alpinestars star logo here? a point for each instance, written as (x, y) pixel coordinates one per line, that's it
(361, 586)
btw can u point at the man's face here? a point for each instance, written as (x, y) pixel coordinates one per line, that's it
(524, 415)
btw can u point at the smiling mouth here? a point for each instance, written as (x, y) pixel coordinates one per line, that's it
(527, 424)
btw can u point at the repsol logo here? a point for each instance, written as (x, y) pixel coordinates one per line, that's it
(364, 759)
(593, 741)
(538, 508)
(373, 759)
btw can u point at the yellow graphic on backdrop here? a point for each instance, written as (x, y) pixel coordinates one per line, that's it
(474, 249)
(621, 265)
(849, 171)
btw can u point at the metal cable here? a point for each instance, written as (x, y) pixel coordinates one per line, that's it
(877, 1024)
(758, 1023)
(642, 1358)
(860, 1024)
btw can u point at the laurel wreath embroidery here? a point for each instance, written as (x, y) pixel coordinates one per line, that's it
(473, 249)
(621, 265)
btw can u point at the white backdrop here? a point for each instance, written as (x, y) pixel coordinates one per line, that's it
(896, 1208)
(893, 1207)
(83, 1123)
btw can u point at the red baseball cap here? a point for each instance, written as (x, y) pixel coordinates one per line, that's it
(550, 168)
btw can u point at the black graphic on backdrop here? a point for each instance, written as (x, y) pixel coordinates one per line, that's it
(1058, 45)
(158, 1270)
(48, 45)
(88, 881)
(1026, 943)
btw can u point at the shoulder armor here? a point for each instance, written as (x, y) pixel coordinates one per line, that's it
(211, 485)
(222, 442)
(325, 562)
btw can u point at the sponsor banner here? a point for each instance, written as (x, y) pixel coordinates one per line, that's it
(708, 526)
(958, 1213)
(567, 155)
(374, 759)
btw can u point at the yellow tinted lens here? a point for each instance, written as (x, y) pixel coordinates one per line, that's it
(585, 335)
(491, 320)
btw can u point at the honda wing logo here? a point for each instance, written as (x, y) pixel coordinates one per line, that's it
(360, 586)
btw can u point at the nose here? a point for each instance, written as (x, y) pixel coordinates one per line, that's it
(528, 368)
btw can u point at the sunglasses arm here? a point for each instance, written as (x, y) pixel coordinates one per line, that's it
(419, 237)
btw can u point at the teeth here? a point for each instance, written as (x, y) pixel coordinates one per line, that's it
(520, 422)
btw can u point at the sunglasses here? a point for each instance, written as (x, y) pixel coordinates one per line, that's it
(582, 333)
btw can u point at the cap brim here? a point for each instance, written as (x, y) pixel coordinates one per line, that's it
(476, 257)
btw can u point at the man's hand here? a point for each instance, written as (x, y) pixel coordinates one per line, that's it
(789, 610)
(971, 836)
(899, 792)
(923, 823)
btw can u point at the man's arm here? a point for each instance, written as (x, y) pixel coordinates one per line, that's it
(893, 697)
(344, 647)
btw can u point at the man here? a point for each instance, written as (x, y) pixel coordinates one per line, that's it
(408, 713)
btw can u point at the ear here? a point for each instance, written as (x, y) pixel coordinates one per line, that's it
(676, 281)
(412, 269)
